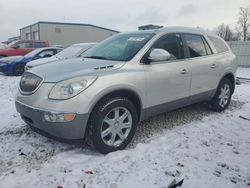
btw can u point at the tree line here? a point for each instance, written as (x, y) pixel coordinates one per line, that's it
(241, 30)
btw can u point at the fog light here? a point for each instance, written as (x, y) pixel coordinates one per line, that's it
(57, 117)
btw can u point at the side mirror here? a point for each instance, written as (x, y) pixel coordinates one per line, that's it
(158, 54)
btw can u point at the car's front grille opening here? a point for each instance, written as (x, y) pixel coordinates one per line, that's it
(27, 119)
(29, 82)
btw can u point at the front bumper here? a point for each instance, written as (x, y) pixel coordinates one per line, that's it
(63, 130)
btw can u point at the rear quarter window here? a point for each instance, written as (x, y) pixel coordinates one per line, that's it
(219, 44)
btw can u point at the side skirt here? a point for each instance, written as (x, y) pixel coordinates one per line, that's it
(169, 106)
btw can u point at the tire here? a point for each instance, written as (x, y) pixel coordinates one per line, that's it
(18, 69)
(104, 132)
(223, 95)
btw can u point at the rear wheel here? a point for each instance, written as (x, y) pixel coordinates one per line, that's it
(18, 70)
(222, 97)
(112, 125)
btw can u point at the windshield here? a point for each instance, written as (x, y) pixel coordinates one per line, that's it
(69, 52)
(121, 47)
(33, 53)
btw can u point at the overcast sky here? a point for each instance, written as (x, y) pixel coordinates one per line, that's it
(121, 15)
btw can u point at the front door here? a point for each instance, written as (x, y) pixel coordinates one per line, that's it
(168, 82)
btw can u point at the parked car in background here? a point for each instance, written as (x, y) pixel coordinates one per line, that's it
(22, 47)
(74, 50)
(15, 65)
(123, 80)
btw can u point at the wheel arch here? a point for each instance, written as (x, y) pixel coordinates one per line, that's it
(230, 76)
(11, 68)
(130, 94)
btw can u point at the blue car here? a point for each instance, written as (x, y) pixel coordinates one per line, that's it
(14, 65)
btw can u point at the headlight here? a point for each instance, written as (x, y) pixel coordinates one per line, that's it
(69, 88)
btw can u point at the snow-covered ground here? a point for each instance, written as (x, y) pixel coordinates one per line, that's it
(243, 72)
(205, 148)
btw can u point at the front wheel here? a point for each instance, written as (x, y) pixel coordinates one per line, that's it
(18, 70)
(222, 97)
(112, 125)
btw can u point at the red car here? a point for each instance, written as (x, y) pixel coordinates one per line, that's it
(22, 47)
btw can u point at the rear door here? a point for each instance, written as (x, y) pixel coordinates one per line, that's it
(168, 82)
(204, 67)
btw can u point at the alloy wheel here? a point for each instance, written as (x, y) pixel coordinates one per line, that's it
(116, 126)
(224, 95)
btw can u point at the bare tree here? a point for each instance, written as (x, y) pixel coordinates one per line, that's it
(244, 21)
(225, 32)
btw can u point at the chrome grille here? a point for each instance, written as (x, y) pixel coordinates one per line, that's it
(29, 83)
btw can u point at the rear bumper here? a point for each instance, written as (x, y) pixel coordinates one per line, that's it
(62, 130)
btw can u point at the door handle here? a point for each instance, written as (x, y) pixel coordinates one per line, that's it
(184, 71)
(213, 66)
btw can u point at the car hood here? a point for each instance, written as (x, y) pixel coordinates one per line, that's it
(69, 68)
(41, 61)
(10, 59)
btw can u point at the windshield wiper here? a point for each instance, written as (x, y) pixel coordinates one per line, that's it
(95, 57)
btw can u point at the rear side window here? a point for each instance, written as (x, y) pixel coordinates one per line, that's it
(173, 44)
(39, 45)
(219, 44)
(195, 45)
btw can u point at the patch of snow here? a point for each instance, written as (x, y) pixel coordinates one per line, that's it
(243, 72)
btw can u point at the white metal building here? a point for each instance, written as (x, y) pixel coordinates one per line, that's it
(242, 51)
(65, 33)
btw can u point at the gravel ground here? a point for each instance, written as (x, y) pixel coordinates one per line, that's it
(151, 128)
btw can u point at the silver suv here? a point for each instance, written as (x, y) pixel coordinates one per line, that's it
(123, 80)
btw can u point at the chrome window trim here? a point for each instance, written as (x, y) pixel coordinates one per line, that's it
(211, 55)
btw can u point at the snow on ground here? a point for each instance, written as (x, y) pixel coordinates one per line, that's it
(243, 72)
(205, 148)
